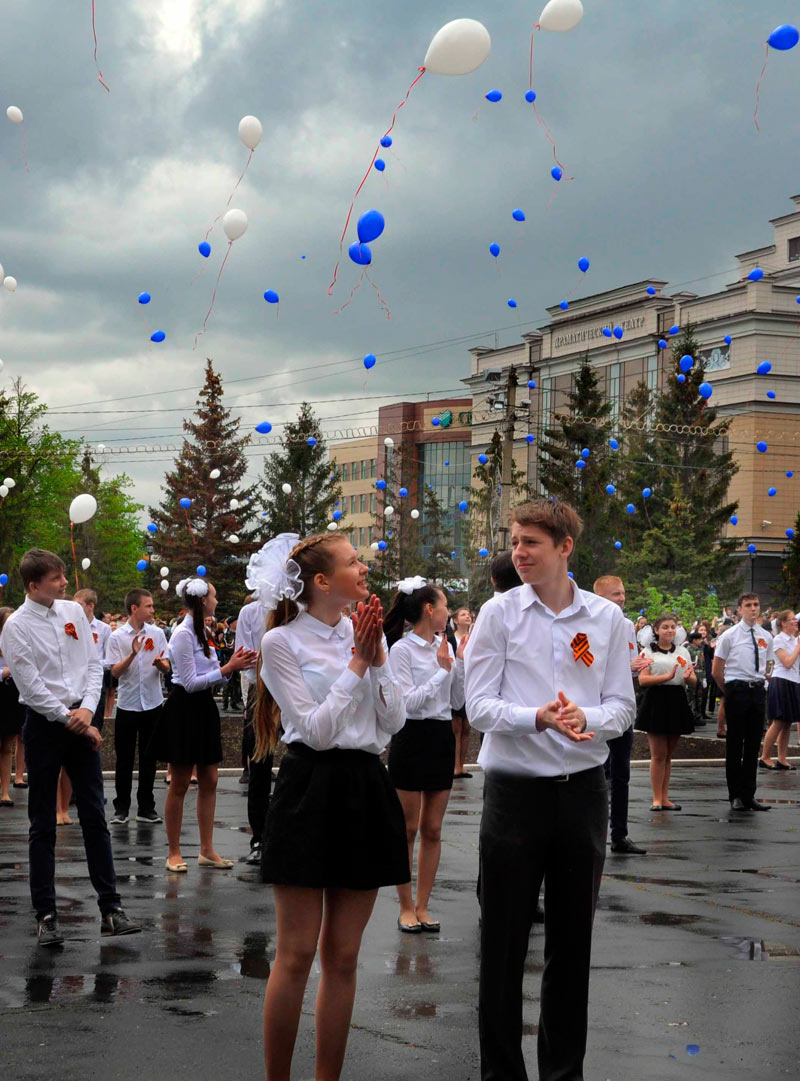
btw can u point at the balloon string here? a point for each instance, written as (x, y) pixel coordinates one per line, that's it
(189, 525)
(353, 292)
(213, 296)
(530, 72)
(758, 86)
(74, 555)
(378, 293)
(366, 177)
(210, 229)
(94, 34)
(549, 135)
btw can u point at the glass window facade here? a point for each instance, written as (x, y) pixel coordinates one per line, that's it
(363, 503)
(345, 471)
(450, 483)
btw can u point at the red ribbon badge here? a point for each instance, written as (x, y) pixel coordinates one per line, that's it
(96, 637)
(681, 662)
(149, 645)
(762, 644)
(580, 649)
(69, 629)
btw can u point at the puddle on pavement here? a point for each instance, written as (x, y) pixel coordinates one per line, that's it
(253, 959)
(452, 811)
(406, 1011)
(681, 883)
(668, 919)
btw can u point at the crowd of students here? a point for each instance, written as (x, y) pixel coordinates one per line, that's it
(553, 677)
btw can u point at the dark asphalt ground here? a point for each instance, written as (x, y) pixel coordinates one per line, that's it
(697, 943)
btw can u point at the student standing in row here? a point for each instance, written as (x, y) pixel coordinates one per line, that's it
(422, 754)
(462, 624)
(783, 696)
(101, 633)
(12, 717)
(49, 648)
(334, 832)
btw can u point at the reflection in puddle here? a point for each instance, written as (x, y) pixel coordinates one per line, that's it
(408, 1010)
(668, 919)
(253, 959)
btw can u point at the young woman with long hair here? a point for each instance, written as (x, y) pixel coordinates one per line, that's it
(783, 696)
(12, 717)
(664, 712)
(334, 831)
(462, 624)
(422, 755)
(189, 731)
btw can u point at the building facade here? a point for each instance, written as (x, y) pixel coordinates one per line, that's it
(355, 462)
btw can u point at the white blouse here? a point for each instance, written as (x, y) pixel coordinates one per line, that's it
(789, 643)
(665, 662)
(191, 669)
(323, 703)
(429, 691)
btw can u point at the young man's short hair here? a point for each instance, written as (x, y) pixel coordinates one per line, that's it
(503, 573)
(87, 595)
(606, 581)
(36, 563)
(748, 597)
(135, 597)
(559, 520)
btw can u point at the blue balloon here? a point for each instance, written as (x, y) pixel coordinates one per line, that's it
(771, 395)
(336, 504)
(447, 463)
(369, 361)
(662, 344)
(360, 254)
(693, 1049)
(511, 302)
(606, 332)
(311, 441)
(380, 485)
(452, 555)
(610, 489)
(518, 215)
(462, 506)
(141, 565)
(618, 545)
(681, 378)
(204, 248)
(556, 172)
(790, 474)
(380, 164)
(761, 447)
(386, 142)
(583, 264)
(789, 534)
(403, 493)
(185, 502)
(144, 298)
(674, 329)
(530, 96)
(530, 438)
(200, 571)
(580, 464)
(651, 290)
(734, 520)
(494, 249)
(686, 363)
(751, 548)
(482, 459)
(570, 574)
(646, 493)
(764, 368)
(370, 226)
(564, 305)
(264, 427)
(532, 384)
(585, 452)
(772, 491)
(630, 508)
(705, 390)
(271, 296)
(614, 444)
(727, 339)
(756, 274)
(483, 552)
(494, 95)
(3, 579)
(157, 336)
(618, 332)
(436, 422)
(337, 514)
(152, 528)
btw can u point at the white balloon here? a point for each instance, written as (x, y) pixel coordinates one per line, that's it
(2, 272)
(10, 482)
(561, 15)
(3, 491)
(214, 474)
(332, 526)
(86, 563)
(235, 224)
(388, 441)
(10, 284)
(164, 584)
(164, 572)
(388, 511)
(1, 365)
(234, 504)
(233, 538)
(101, 447)
(374, 546)
(286, 489)
(82, 508)
(415, 514)
(458, 48)
(14, 114)
(250, 131)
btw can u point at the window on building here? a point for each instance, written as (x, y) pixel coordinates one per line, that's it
(373, 466)
(364, 468)
(345, 471)
(614, 390)
(363, 503)
(352, 504)
(361, 536)
(372, 503)
(793, 253)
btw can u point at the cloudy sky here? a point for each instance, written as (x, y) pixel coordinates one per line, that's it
(651, 105)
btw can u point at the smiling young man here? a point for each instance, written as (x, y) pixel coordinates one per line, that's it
(50, 650)
(548, 681)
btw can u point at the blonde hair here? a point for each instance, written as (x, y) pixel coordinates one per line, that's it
(606, 581)
(313, 557)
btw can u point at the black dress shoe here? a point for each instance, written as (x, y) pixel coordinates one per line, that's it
(48, 933)
(756, 805)
(116, 922)
(626, 847)
(780, 765)
(765, 765)
(739, 805)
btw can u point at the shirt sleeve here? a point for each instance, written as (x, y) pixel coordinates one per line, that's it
(723, 646)
(94, 666)
(416, 697)
(390, 707)
(185, 667)
(105, 638)
(317, 722)
(457, 686)
(617, 707)
(114, 653)
(484, 663)
(25, 674)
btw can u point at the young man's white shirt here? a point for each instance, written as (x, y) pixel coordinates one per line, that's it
(140, 684)
(101, 633)
(735, 647)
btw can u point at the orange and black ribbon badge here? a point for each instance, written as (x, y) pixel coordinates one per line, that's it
(149, 645)
(96, 637)
(580, 649)
(69, 629)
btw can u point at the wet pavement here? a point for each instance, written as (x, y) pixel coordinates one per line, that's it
(696, 955)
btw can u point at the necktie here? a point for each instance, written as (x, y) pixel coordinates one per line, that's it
(755, 646)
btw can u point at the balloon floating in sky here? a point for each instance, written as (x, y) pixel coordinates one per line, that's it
(583, 264)
(606, 332)
(10, 284)
(681, 378)
(82, 508)
(157, 336)
(751, 548)
(152, 528)
(458, 48)
(234, 224)
(185, 502)
(360, 254)
(686, 363)
(370, 226)
(494, 95)
(201, 571)
(271, 296)
(369, 361)
(482, 459)
(556, 172)
(379, 164)
(204, 248)
(311, 441)
(494, 249)
(662, 343)
(614, 444)
(564, 305)
(530, 96)
(518, 215)
(784, 37)
(618, 545)
(14, 114)
(618, 332)
(250, 131)
(756, 274)
(764, 368)
(559, 16)
(386, 142)
(511, 302)
(727, 339)
(734, 520)
(141, 565)
(705, 390)
(651, 291)
(462, 506)
(144, 298)
(630, 508)
(771, 492)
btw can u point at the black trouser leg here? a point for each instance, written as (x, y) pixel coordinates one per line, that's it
(248, 735)
(618, 772)
(125, 729)
(147, 722)
(744, 715)
(260, 788)
(100, 712)
(44, 742)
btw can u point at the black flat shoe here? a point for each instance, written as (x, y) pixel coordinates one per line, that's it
(20, 784)
(672, 807)
(434, 927)
(766, 765)
(656, 807)
(409, 928)
(780, 765)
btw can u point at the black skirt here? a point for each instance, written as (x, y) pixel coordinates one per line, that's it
(665, 711)
(783, 701)
(189, 732)
(12, 713)
(335, 822)
(422, 756)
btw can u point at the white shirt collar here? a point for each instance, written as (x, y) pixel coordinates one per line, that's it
(421, 641)
(322, 630)
(529, 596)
(41, 610)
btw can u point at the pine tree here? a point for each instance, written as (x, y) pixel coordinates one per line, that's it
(587, 425)
(200, 535)
(790, 571)
(402, 556)
(437, 559)
(310, 505)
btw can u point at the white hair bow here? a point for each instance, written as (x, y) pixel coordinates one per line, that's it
(272, 575)
(408, 585)
(191, 587)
